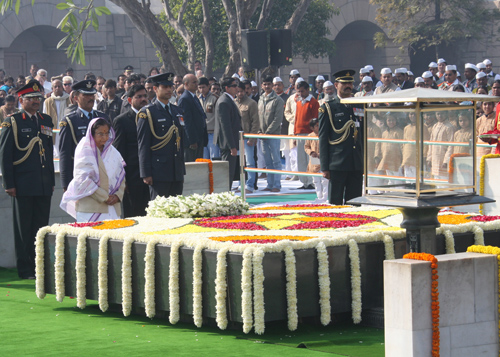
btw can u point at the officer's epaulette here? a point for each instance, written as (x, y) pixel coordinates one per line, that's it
(142, 115)
(6, 124)
(62, 124)
(321, 110)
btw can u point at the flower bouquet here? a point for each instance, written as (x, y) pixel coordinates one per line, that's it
(212, 205)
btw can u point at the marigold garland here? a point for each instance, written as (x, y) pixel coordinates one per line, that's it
(115, 224)
(489, 250)
(451, 167)
(481, 176)
(210, 173)
(434, 296)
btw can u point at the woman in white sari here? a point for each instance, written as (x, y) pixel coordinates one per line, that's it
(98, 184)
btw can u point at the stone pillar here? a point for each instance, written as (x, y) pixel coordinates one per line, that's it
(468, 298)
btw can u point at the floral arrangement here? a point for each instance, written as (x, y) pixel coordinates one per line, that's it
(348, 226)
(211, 205)
(210, 174)
(489, 250)
(434, 296)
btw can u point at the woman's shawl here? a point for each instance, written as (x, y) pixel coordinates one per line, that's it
(86, 169)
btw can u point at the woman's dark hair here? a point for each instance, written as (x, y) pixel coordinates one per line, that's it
(458, 88)
(313, 122)
(483, 87)
(98, 123)
(153, 69)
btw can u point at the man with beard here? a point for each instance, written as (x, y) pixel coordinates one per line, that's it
(55, 107)
(136, 197)
(341, 143)
(74, 127)
(28, 173)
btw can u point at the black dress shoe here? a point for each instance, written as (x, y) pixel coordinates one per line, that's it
(309, 187)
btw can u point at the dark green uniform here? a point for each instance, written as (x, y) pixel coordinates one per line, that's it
(341, 150)
(31, 173)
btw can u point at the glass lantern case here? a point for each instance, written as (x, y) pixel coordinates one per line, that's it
(420, 142)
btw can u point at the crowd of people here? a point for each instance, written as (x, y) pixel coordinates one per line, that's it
(123, 142)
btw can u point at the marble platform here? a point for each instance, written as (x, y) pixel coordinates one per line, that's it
(468, 298)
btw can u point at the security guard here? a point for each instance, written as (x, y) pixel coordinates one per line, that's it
(341, 142)
(26, 153)
(160, 135)
(74, 126)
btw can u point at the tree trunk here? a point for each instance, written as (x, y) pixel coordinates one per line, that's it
(294, 21)
(207, 37)
(233, 34)
(147, 23)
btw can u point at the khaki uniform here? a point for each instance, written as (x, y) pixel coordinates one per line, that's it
(483, 125)
(442, 131)
(390, 154)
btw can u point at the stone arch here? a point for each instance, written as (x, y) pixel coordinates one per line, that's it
(355, 47)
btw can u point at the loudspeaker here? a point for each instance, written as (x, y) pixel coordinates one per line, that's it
(254, 52)
(281, 47)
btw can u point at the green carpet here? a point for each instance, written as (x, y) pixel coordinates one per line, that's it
(33, 327)
(280, 198)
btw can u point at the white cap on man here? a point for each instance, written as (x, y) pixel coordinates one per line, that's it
(497, 77)
(401, 70)
(327, 84)
(366, 79)
(471, 66)
(236, 76)
(385, 70)
(480, 75)
(369, 67)
(254, 84)
(433, 65)
(441, 60)
(277, 80)
(487, 62)
(451, 67)
(294, 72)
(419, 80)
(410, 73)
(427, 74)
(300, 79)
(364, 70)
(481, 65)
(320, 78)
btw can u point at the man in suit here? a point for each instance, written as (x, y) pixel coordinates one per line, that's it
(111, 103)
(402, 78)
(74, 127)
(28, 175)
(341, 153)
(195, 126)
(159, 137)
(136, 197)
(228, 125)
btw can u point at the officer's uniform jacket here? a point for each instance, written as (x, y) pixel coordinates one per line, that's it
(346, 155)
(73, 129)
(165, 163)
(32, 174)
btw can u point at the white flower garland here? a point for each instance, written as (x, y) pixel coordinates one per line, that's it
(81, 276)
(324, 284)
(258, 291)
(291, 287)
(102, 273)
(127, 276)
(389, 247)
(39, 261)
(478, 235)
(355, 281)
(149, 276)
(59, 266)
(221, 289)
(449, 241)
(173, 283)
(197, 284)
(246, 289)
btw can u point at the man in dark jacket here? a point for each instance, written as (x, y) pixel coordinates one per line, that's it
(136, 197)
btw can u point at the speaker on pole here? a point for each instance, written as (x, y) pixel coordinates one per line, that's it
(281, 47)
(254, 52)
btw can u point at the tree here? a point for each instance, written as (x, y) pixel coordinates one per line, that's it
(420, 24)
(191, 31)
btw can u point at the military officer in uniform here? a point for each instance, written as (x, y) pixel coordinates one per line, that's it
(26, 153)
(159, 136)
(74, 127)
(341, 142)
